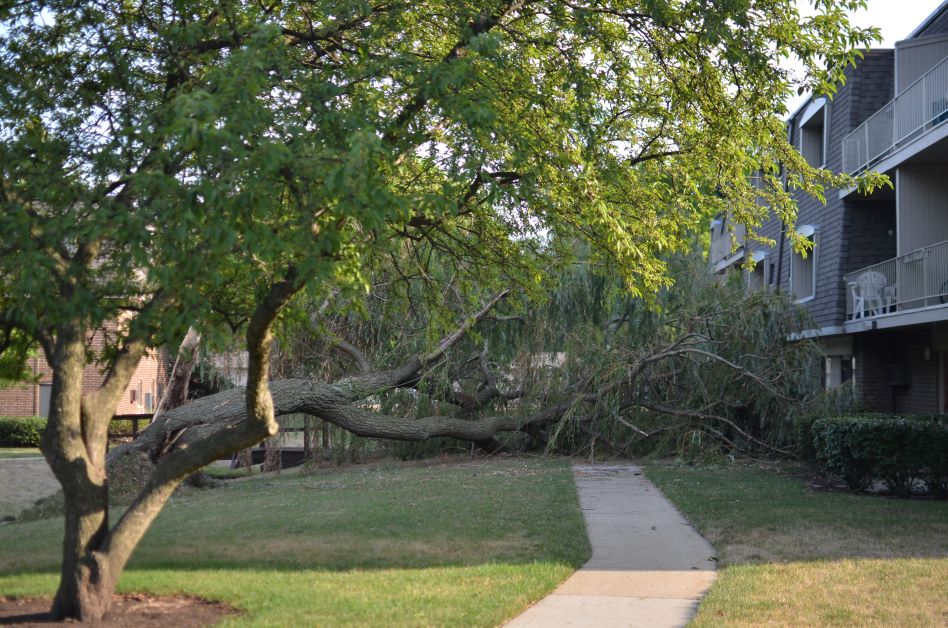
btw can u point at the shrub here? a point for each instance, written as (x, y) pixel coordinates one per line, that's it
(17, 431)
(898, 450)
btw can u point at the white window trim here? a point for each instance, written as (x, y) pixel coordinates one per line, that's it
(817, 107)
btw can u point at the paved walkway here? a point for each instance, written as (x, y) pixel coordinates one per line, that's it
(649, 567)
(22, 482)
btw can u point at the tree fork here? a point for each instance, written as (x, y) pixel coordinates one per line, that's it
(81, 472)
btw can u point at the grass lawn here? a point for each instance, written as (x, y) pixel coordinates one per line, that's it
(796, 557)
(470, 543)
(19, 452)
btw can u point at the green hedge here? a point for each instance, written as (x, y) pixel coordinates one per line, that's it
(21, 431)
(899, 451)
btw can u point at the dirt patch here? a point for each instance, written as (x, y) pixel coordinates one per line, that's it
(127, 610)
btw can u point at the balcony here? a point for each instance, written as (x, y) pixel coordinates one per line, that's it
(909, 282)
(918, 108)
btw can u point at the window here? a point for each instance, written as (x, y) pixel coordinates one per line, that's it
(803, 269)
(148, 402)
(46, 395)
(772, 275)
(756, 277)
(813, 128)
(133, 396)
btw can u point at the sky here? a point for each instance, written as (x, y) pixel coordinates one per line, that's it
(896, 18)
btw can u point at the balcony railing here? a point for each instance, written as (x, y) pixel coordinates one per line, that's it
(921, 105)
(908, 282)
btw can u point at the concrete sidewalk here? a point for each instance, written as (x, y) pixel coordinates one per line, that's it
(649, 567)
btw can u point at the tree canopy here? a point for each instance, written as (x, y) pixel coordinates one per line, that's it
(167, 163)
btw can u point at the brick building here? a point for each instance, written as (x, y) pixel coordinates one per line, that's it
(876, 283)
(141, 396)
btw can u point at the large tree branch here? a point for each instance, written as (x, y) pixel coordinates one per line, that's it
(177, 391)
(183, 450)
(408, 374)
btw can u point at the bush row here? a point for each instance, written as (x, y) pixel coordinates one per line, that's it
(905, 453)
(21, 431)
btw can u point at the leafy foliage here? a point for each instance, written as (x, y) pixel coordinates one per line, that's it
(323, 136)
(702, 369)
(21, 431)
(16, 348)
(897, 450)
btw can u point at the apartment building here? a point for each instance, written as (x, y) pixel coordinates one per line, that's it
(876, 283)
(140, 398)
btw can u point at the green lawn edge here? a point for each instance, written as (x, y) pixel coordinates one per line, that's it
(464, 543)
(792, 556)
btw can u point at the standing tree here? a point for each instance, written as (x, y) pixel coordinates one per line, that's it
(166, 163)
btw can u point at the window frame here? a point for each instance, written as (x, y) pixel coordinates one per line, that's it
(811, 232)
(821, 109)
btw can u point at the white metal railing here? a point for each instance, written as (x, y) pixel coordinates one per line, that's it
(922, 104)
(908, 282)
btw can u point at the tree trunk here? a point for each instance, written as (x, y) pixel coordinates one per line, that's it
(177, 392)
(307, 437)
(78, 461)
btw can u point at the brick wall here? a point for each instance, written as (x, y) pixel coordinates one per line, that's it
(150, 377)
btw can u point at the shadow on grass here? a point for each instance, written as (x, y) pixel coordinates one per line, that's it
(754, 515)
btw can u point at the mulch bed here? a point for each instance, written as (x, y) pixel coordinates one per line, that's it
(127, 610)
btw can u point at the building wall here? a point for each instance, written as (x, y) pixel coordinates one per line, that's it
(915, 57)
(879, 352)
(868, 88)
(923, 217)
(150, 376)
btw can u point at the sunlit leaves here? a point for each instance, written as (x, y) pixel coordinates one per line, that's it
(200, 149)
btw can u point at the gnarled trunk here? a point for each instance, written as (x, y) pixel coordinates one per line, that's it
(78, 461)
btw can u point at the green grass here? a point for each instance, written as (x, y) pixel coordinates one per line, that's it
(792, 556)
(20, 452)
(447, 544)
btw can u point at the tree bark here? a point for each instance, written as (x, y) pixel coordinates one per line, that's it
(186, 431)
(85, 587)
(177, 392)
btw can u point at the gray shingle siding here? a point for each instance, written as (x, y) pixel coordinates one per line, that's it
(869, 86)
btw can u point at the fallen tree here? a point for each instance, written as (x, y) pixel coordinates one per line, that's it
(645, 377)
(179, 437)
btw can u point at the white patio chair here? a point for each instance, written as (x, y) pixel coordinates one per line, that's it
(868, 294)
(859, 304)
(891, 299)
